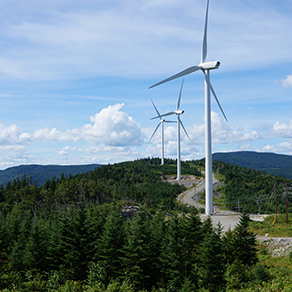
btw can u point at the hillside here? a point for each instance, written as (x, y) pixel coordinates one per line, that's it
(106, 230)
(271, 163)
(42, 173)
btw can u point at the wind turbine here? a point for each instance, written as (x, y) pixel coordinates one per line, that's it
(177, 112)
(162, 121)
(205, 67)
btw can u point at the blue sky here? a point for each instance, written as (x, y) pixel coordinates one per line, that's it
(74, 78)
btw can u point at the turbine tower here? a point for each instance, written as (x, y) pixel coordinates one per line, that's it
(205, 67)
(162, 121)
(177, 112)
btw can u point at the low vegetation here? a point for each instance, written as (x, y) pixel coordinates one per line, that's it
(270, 227)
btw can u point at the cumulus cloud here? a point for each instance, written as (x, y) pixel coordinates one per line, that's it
(223, 133)
(12, 135)
(65, 150)
(109, 127)
(282, 130)
(287, 83)
(284, 147)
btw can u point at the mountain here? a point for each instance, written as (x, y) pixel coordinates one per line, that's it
(42, 173)
(271, 163)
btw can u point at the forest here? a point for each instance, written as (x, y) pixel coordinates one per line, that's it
(252, 190)
(72, 234)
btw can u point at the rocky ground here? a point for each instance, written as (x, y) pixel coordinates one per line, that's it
(277, 246)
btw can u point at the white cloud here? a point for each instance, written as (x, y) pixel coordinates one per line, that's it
(12, 135)
(223, 132)
(137, 37)
(13, 154)
(66, 149)
(287, 83)
(109, 127)
(282, 130)
(283, 148)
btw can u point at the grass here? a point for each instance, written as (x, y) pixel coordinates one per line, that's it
(269, 225)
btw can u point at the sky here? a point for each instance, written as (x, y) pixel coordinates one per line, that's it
(74, 78)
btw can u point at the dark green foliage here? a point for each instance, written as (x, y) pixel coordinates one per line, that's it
(179, 251)
(70, 235)
(212, 262)
(73, 246)
(251, 190)
(240, 244)
(36, 249)
(109, 246)
(137, 259)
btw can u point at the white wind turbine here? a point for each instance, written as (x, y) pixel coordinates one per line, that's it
(177, 112)
(162, 121)
(205, 67)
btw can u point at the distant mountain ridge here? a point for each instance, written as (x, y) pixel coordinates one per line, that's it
(271, 163)
(42, 173)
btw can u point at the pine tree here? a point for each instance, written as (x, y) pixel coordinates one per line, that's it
(109, 246)
(36, 249)
(172, 261)
(137, 259)
(157, 234)
(192, 238)
(240, 244)
(212, 264)
(20, 226)
(70, 247)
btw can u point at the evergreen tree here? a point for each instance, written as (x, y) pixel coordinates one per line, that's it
(137, 259)
(240, 244)
(20, 226)
(72, 244)
(109, 246)
(35, 252)
(173, 263)
(212, 262)
(157, 234)
(192, 238)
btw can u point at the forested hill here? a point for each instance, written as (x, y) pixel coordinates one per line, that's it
(42, 173)
(271, 163)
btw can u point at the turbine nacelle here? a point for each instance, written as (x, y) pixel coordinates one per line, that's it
(209, 65)
(179, 112)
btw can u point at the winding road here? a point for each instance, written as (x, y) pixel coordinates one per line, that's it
(228, 219)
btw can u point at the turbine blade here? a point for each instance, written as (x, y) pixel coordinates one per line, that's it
(178, 102)
(184, 129)
(204, 46)
(213, 91)
(168, 114)
(156, 108)
(180, 74)
(154, 131)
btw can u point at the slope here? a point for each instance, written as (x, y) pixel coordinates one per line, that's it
(42, 173)
(271, 163)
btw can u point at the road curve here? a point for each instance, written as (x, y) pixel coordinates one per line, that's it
(227, 219)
